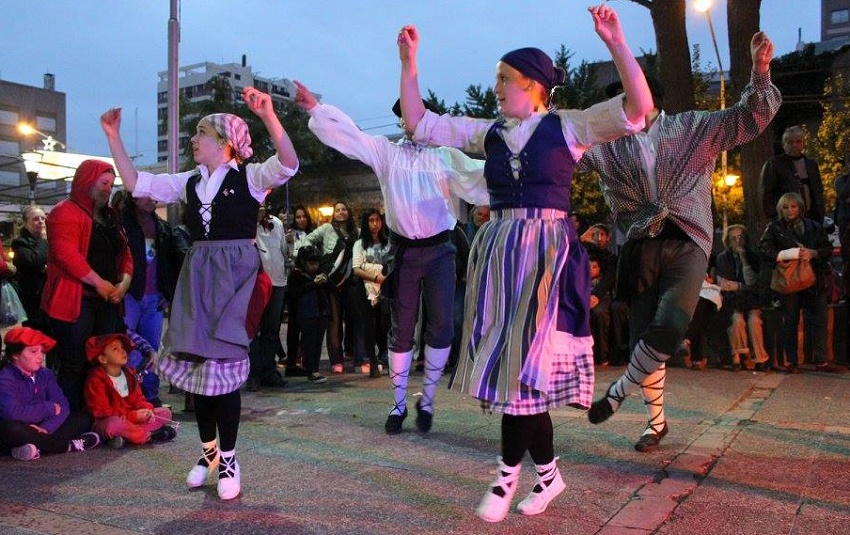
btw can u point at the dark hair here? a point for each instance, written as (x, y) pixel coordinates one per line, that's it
(310, 225)
(305, 254)
(655, 88)
(350, 227)
(8, 351)
(366, 234)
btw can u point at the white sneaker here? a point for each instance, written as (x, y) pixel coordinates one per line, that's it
(27, 452)
(494, 508)
(229, 485)
(537, 502)
(199, 473)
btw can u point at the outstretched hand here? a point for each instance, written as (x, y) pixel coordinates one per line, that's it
(304, 99)
(110, 121)
(408, 43)
(607, 24)
(761, 49)
(258, 102)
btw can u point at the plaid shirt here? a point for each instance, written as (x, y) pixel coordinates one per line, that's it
(686, 145)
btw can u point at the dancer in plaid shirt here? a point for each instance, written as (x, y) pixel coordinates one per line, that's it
(658, 185)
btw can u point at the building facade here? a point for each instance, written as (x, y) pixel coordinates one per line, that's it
(43, 108)
(193, 84)
(835, 19)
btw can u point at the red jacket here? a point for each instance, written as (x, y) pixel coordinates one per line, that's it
(104, 401)
(70, 225)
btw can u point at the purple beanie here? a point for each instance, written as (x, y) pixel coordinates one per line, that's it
(537, 65)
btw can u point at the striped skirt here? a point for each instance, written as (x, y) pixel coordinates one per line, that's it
(205, 350)
(528, 345)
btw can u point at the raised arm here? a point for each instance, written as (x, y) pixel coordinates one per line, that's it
(761, 50)
(261, 104)
(110, 121)
(638, 101)
(412, 108)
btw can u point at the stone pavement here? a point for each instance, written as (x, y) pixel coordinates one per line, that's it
(747, 453)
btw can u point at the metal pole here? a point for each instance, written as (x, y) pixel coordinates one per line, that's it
(723, 157)
(173, 102)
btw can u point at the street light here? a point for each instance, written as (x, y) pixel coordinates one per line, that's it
(725, 185)
(326, 211)
(32, 165)
(49, 141)
(704, 6)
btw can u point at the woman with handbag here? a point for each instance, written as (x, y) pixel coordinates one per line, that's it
(336, 241)
(793, 238)
(370, 256)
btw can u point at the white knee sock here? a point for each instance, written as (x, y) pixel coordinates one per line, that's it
(652, 390)
(435, 363)
(399, 372)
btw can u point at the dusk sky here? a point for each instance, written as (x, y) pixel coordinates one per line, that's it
(106, 54)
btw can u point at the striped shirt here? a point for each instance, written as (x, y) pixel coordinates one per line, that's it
(685, 147)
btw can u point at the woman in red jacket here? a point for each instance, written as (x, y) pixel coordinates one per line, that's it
(89, 268)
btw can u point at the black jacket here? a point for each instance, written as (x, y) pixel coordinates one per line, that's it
(778, 176)
(779, 236)
(31, 263)
(167, 267)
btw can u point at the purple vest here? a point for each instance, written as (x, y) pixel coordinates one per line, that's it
(540, 176)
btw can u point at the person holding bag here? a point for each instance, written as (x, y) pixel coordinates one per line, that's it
(336, 241)
(794, 237)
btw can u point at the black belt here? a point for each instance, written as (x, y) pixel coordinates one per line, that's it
(409, 243)
(671, 231)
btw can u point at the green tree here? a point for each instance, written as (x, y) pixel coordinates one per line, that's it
(318, 176)
(480, 103)
(579, 90)
(438, 103)
(832, 144)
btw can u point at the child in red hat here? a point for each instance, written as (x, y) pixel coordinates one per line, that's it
(34, 414)
(114, 396)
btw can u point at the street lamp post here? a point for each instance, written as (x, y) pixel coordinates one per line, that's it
(704, 6)
(49, 141)
(725, 186)
(32, 164)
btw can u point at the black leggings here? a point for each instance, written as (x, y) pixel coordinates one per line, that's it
(15, 433)
(219, 413)
(527, 433)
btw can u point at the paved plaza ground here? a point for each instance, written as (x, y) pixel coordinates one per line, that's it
(748, 453)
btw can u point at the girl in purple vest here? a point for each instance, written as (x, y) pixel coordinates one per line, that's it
(206, 347)
(527, 333)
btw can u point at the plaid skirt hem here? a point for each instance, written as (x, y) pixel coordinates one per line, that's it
(207, 378)
(570, 384)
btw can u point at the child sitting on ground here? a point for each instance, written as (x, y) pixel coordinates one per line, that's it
(114, 397)
(34, 414)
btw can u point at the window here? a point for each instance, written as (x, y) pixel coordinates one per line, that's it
(839, 16)
(10, 147)
(43, 122)
(9, 178)
(10, 117)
